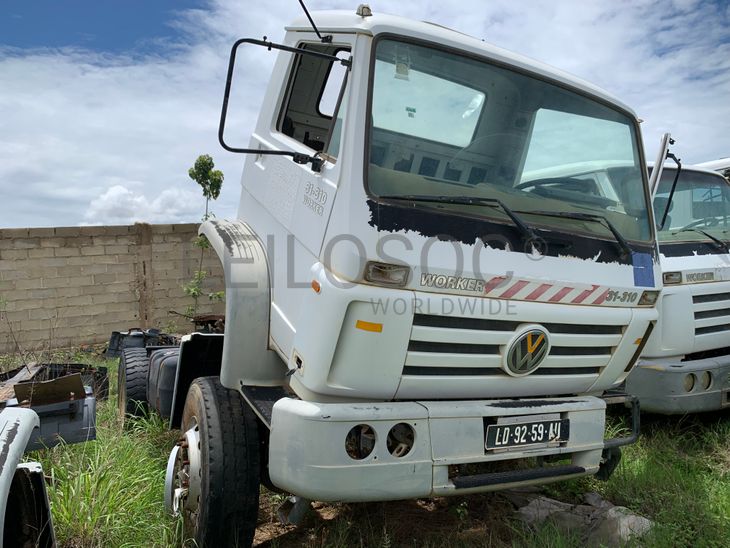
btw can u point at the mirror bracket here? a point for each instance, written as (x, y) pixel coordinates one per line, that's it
(298, 157)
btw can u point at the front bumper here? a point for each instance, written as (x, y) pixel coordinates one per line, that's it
(661, 388)
(307, 455)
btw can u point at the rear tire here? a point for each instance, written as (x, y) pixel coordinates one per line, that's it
(225, 511)
(132, 386)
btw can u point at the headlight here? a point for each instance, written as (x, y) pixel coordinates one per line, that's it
(648, 298)
(387, 274)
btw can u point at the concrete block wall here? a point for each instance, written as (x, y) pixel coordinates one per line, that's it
(66, 286)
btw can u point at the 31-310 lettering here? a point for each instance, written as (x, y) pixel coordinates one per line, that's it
(621, 296)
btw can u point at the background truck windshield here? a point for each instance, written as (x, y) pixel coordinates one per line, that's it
(701, 203)
(448, 125)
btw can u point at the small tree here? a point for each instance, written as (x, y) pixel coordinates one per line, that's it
(211, 181)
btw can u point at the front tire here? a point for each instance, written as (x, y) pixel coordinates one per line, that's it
(216, 477)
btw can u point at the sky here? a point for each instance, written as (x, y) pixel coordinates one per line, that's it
(105, 104)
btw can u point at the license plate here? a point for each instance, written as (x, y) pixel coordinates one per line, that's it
(519, 434)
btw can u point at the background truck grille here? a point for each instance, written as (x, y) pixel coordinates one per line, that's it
(712, 313)
(457, 346)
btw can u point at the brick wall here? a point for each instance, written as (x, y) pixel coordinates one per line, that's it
(68, 286)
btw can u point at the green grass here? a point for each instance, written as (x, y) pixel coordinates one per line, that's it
(677, 475)
(109, 493)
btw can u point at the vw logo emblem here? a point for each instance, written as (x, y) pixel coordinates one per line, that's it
(526, 351)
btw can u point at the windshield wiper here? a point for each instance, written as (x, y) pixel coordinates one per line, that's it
(720, 244)
(526, 231)
(623, 244)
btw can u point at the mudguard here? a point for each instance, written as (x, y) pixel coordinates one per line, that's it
(24, 507)
(247, 359)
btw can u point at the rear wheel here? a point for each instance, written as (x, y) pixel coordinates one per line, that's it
(213, 471)
(132, 386)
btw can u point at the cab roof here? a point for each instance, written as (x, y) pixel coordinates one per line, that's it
(348, 22)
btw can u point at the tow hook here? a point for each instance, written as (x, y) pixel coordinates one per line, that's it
(293, 510)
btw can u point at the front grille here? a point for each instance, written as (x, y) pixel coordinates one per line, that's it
(710, 298)
(458, 322)
(458, 346)
(711, 313)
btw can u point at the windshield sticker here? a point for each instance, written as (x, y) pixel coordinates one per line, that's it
(643, 264)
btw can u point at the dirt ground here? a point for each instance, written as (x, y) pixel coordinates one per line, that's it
(482, 520)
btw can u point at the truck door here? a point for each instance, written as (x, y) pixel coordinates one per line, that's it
(297, 199)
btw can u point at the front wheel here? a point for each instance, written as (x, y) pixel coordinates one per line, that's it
(213, 471)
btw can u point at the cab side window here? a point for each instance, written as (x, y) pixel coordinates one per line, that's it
(315, 89)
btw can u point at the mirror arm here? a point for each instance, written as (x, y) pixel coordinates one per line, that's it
(674, 187)
(298, 157)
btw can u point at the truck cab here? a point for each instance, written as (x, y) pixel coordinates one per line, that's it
(444, 255)
(685, 366)
(451, 182)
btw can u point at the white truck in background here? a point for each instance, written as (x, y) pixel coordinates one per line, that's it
(722, 166)
(685, 365)
(445, 254)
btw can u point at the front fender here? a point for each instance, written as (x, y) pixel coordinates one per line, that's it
(247, 358)
(16, 427)
(23, 498)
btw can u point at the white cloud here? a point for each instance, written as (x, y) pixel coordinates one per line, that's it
(77, 125)
(120, 205)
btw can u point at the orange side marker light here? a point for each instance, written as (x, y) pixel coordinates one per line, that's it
(369, 326)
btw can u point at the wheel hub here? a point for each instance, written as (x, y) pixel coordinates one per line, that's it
(184, 474)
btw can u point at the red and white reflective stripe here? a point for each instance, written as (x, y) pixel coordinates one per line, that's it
(584, 295)
(560, 295)
(493, 283)
(503, 287)
(514, 289)
(601, 297)
(537, 293)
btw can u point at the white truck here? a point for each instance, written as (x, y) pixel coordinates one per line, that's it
(685, 366)
(722, 166)
(445, 254)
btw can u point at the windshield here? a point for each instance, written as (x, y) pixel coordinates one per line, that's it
(700, 206)
(447, 125)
